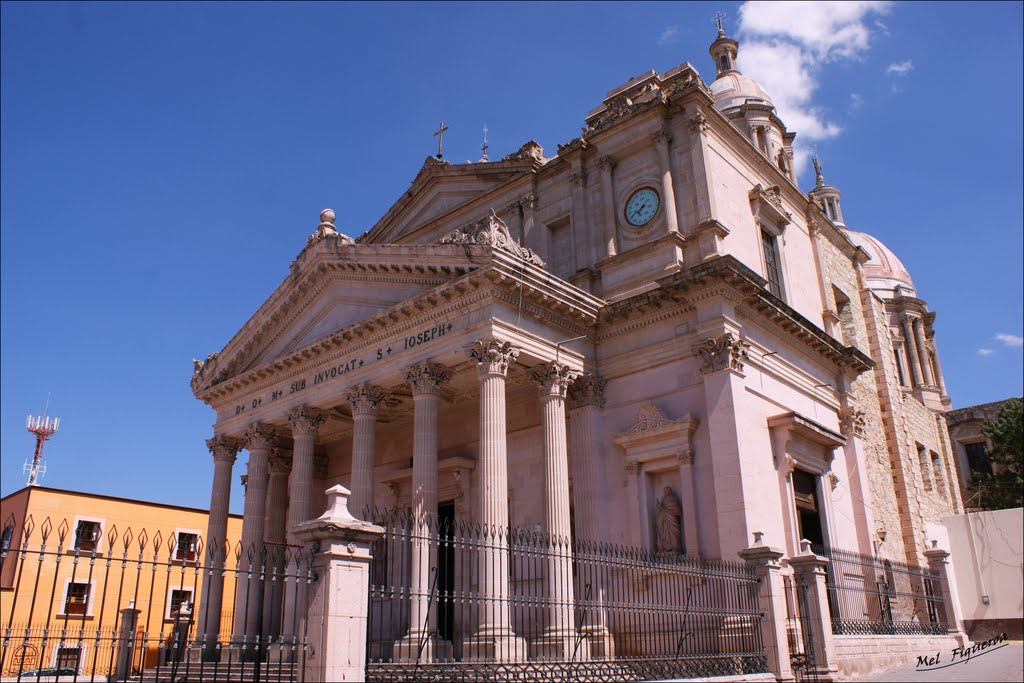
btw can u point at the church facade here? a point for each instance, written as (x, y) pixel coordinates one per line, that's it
(652, 337)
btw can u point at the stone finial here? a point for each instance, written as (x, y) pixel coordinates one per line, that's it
(758, 538)
(327, 217)
(337, 506)
(805, 547)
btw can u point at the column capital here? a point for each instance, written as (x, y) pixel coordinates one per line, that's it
(366, 398)
(493, 356)
(305, 420)
(224, 448)
(427, 378)
(587, 390)
(719, 353)
(661, 137)
(685, 457)
(553, 379)
(529, 201)
(280, 461)
(259, 435)
(698, 123)
(606, 163)
(852, 421)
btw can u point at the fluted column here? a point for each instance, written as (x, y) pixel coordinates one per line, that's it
(913, 358)
(559, 639)
(259, 439)
(610, 231)
(279, 466)
(661, 140)
(494, 639)
(225, 450)
(421, 643)
(365, 400)
(922, 349)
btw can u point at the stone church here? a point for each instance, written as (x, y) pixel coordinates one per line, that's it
(654, 317)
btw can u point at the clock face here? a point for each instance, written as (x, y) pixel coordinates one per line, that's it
(642, 206)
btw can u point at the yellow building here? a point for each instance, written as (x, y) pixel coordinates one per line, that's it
(77, 569)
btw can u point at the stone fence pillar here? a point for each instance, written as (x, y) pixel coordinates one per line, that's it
(126, 642)
(938, 562)
(809, 575)
(772, 603)
(336, 615)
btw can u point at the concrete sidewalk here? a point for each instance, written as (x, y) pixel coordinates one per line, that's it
(1005, 663)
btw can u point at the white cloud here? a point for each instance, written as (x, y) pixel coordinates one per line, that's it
(669, 35)
(785, 45)
(1010, 339)
(900, 68)
(985, 352)
(856, 102)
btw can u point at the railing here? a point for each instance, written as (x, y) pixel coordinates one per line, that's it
(128, 605)
(874, 596)
(457, 601)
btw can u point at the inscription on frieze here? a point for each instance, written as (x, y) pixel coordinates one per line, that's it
(347, 365)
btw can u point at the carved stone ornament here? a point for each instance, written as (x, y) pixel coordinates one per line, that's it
(553, 378)
(788, 465)
(366, 398)
(280, 461)
(579, 178)
(685, 457)
(606, 163)
(225, 447)
(490, 231)
(852, 420)
(305, 420)
(587, 390)
(661, 137)
(259, 436)
(493, 356)
(833, 480)
(529, 201)
(632, 468)
(698, 123)
(648, 418)
(427, 378)
(326, 230)
(725, 352)
(531, 150)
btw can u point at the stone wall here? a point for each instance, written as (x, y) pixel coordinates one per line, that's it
(861, 655)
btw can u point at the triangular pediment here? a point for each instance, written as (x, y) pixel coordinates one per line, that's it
(443, 194)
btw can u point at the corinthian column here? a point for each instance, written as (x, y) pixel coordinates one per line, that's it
(280, 465)
(422, 643)
(586, 399)
(365, 400)
(305, 422)
(225, 450)
(559, 638)
(248, 598)
(922, 349)
(661, 139)
(494, 640)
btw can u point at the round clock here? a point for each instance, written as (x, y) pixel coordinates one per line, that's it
(642, 206)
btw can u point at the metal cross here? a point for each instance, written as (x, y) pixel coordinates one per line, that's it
(720, 20)
(440, 137)
(483, 147)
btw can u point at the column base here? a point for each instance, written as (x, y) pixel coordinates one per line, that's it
(560, 646)
(418, 647)
(600, 641)
(498, 645)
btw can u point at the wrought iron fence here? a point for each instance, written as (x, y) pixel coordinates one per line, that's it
(127, 604)
(875, 596)
(799, 629)
(451, 600)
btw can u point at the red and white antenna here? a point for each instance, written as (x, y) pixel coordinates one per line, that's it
(43, 428)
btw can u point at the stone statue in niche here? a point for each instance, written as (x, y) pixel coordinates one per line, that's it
(670, 513)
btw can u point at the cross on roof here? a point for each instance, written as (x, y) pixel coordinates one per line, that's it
(440, 137)
(720, 21)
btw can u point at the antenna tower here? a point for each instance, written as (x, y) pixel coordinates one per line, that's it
(43, 428)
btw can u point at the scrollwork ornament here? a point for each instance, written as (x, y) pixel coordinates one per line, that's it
(427, 378)
(305, 420)
(260, 436)
(491, 231)
(852, 420)
(493, 356)
(587, 390)
(366, 398)
(553, 379)
(724, 352)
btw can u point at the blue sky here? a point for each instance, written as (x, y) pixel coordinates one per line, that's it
(163, 163)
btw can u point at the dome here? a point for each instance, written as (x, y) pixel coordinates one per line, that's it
(884, 272)
(733, 89)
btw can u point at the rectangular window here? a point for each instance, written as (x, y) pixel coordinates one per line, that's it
(899, 367)
(68, 659)
(87, 536)
(77, 600)
(977, 458)
(186, 547)
(937, 474)
(771, 263)
(922, 460)
(179, 596)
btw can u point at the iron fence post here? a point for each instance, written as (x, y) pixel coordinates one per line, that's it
(764, 560)
(337, 610)
(938, 564)
(809, 572)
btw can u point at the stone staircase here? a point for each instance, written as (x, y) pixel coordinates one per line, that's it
(213, 672)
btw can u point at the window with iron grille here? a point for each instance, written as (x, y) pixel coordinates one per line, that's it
(186, 548)
(77, 600)
(179, 596)
(69, 658)
(87, 536)
(771, 263)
